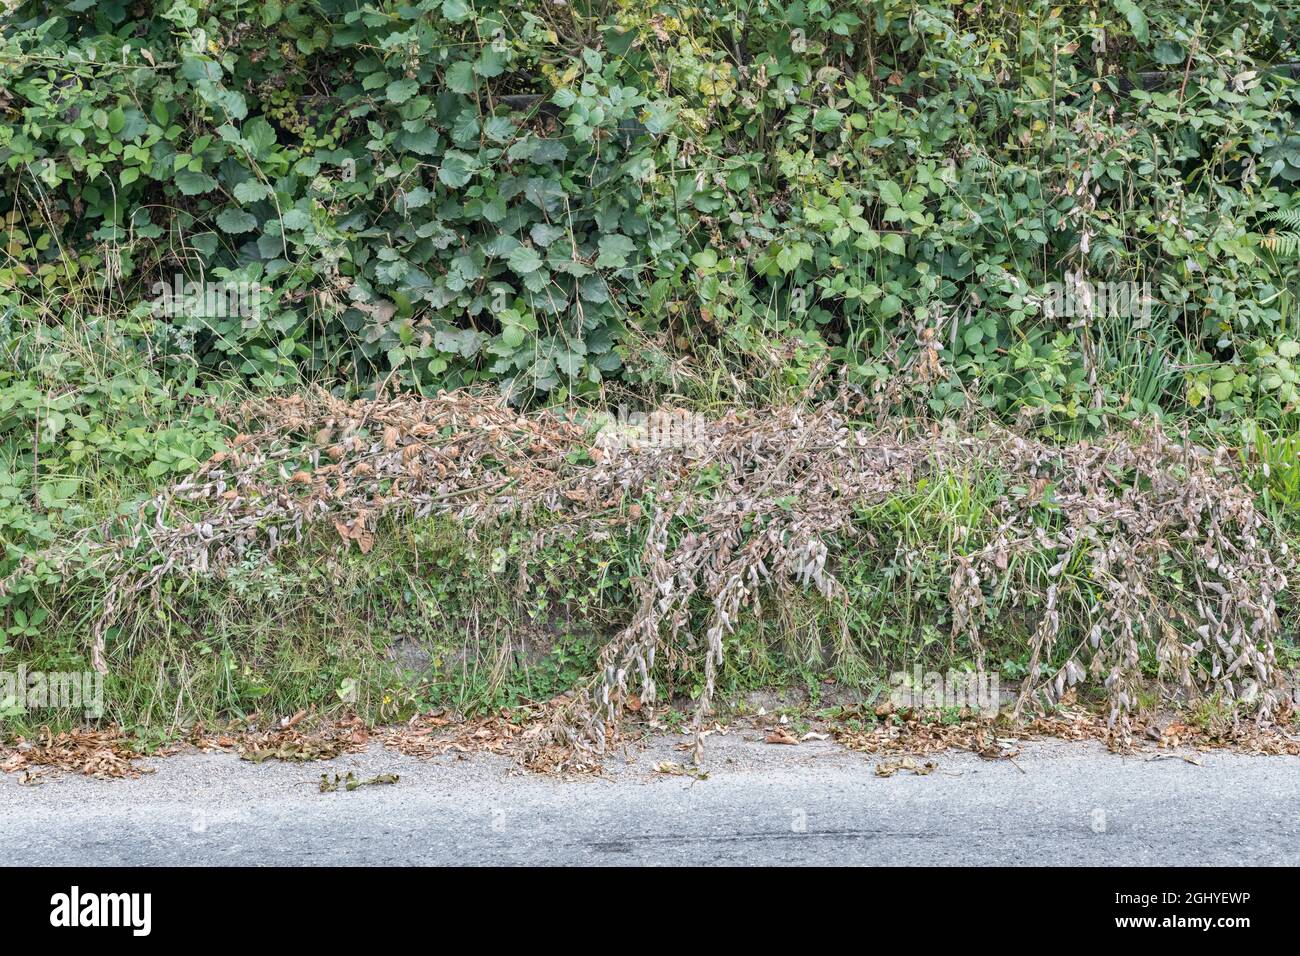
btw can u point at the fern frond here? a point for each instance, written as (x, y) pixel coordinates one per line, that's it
(1283, 244)
(1290, 218)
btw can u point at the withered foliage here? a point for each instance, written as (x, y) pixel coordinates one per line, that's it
(292, 745)
(105, 754)
(912, 732)
(525, 734)
(1151, 542)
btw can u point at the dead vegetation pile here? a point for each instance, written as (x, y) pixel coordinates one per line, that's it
(915, 733)
(1154, 544)
(104, 754)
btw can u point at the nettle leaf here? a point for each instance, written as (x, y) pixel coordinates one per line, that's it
(235, 220)
(524, 259)
(295, 219)
(456, 168)
(460, 77)
(399, 91)
(543, 233)
(191, 183)
(828, 120)
(491, 62)
(463, 342)
(424, 141)
(614, 250)
(259, 136)
(251, 190)
(457, 11)
(546, 194)
(466, 128)
(499, 129)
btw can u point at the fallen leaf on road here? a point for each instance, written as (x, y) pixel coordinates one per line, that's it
(350, 782)
(887, 768)
(672, 769)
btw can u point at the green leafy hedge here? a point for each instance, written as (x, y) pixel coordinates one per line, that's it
(550, 194)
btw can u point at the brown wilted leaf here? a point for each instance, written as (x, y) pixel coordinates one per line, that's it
(887, 768)
(105, 754)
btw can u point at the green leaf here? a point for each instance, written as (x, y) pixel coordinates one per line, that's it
(295, 219)
(827, 120)
(524, 259)
(614, 250)
(235, 220)
(251, 190)
(543, 233)
(424, 142)
(191, 183)
(399, 91)
(456, 168)
(1137, 20)
(460, 77)
(456, 11)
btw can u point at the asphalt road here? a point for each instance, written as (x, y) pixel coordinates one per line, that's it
(1062, 804)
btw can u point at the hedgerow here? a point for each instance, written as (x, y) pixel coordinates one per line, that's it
(1060, 217)
(550, 195)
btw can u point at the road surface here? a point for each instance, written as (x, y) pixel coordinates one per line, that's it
(1058, 804)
